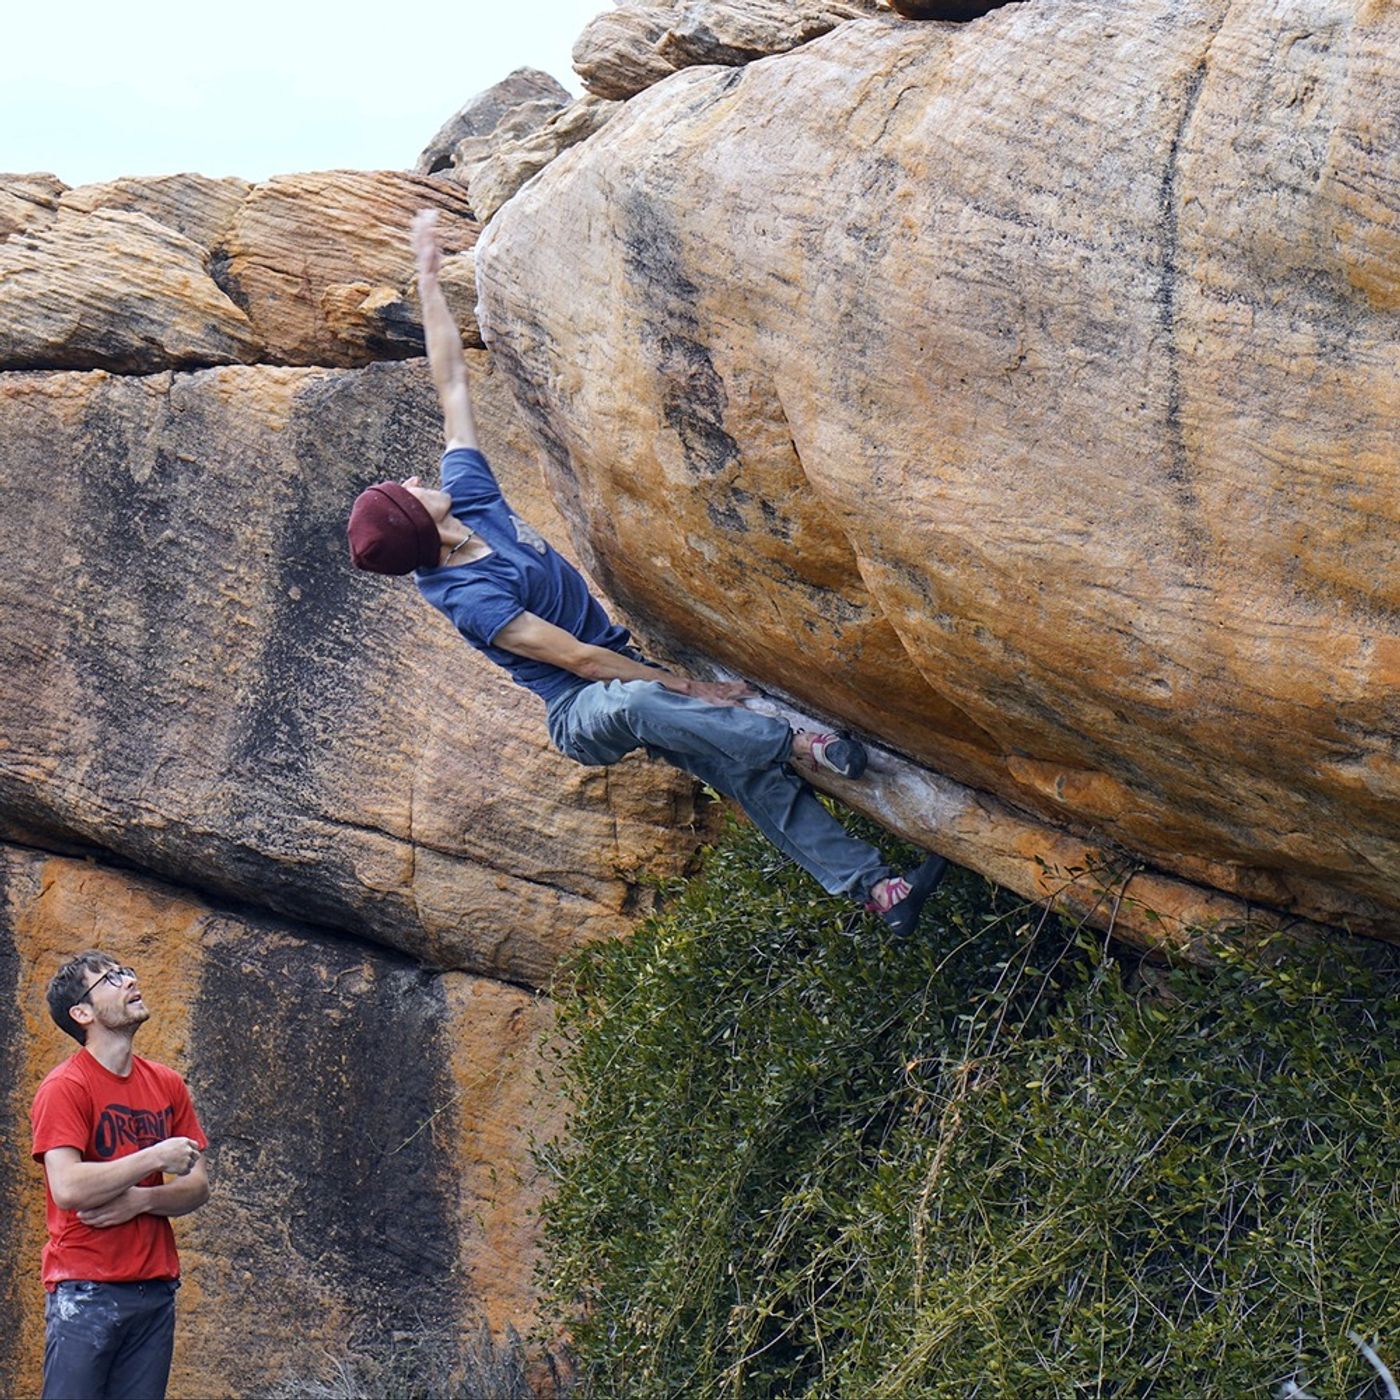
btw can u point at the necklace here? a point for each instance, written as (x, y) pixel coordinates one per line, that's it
(458, 545)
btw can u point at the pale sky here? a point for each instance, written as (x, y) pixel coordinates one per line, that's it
(93, 91)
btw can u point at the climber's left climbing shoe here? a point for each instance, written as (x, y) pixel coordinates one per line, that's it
(901, 901)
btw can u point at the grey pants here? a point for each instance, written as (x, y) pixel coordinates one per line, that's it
(736, 751)
(108, 1341)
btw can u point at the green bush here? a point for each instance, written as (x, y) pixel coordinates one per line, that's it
(1002, 1159)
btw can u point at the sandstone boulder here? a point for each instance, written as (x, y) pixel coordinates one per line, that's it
(738, 31)
(183, 271)
(1044, 424)
(489, 112)
(321, 263)
(193, 205)
(27, 200)
(470, 154)
(114, 290)
(616, 55)
(495, 179)
(372, 1174)
(198, 682)
(622, 52)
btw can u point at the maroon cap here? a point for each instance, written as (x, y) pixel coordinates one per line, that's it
(391, 531)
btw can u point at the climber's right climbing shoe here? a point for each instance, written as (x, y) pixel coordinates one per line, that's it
(839, 754)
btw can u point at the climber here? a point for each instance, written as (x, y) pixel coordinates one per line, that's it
(527, 609)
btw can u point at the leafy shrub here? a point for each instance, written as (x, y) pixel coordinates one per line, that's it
(1002, 1159)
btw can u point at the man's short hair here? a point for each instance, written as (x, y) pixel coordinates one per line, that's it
(391, 532)
(68, 984)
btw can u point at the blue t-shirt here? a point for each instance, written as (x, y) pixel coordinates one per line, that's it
(521, 574)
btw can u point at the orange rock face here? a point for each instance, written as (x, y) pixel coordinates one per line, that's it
(117, 290)
(204, 686)
(368, 1126)
(322, 266)
(198, 686)
(1042, 426)
(199, 208)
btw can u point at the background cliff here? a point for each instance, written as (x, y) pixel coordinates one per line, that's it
(1021, 394)
(339, 851)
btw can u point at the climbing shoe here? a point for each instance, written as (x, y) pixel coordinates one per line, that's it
(839, 754)
(902, 898)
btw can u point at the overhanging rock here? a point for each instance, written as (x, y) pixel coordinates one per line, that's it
(1021, 394)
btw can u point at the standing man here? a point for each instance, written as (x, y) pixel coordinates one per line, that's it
(527, 609)
(108, 1127)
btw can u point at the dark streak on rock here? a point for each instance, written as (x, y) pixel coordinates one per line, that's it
(531, 394)
(725, 515)
(880, 181)
(306, 655)
(955, 11)
(401, 336)
(692, 394)
(333, 1133)
(1178, 467)
(229, 285)
(774, 521)
(126, 536)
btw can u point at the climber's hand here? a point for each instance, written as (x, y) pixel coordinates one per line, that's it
(721, 692)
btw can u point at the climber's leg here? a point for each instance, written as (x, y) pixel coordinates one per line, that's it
(743, 755)
(792, 817)
(605, 720)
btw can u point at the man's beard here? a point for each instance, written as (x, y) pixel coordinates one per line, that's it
(126, 1018)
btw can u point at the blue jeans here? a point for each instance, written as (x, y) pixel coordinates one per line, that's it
(736, 751)
(108, 1341)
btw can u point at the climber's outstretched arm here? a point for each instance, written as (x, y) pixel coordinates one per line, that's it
(440, 333)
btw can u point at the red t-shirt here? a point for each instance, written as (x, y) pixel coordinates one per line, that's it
(82, 1104)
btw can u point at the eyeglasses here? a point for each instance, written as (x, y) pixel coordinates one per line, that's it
(114, 977)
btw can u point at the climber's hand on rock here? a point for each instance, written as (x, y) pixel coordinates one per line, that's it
(721, 692)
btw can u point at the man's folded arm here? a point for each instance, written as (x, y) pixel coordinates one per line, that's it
(178, 1197)
(79, 1185)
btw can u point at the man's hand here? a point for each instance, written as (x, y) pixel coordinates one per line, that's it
(721, 692)
(176, 1156)
(127, 1206)
(427, 252)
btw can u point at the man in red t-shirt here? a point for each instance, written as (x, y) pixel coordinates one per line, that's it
(108, 1127)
